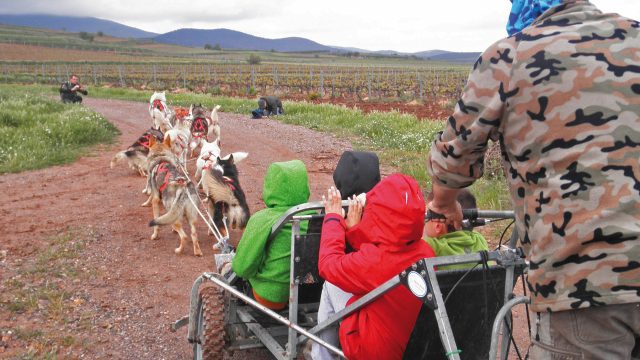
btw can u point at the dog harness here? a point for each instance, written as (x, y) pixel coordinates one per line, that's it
(164, 174)
(144, 140)
(230, 183)
(181, 112)
(158, 104)
(199, 127)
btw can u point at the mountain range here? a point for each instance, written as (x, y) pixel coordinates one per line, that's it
(76, 24)
(225, 38)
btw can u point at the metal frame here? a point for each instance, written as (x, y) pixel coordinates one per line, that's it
(508, 258)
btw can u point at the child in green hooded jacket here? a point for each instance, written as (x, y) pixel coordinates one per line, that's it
(446, 242)
(266, 265)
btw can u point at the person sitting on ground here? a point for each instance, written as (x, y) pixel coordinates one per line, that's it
(357, 173)
(265, 264)
(445, 240)
(267, 106)
(386, 241)
(271, 105)
(69, 90)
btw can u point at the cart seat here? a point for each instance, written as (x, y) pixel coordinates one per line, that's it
(470, 317)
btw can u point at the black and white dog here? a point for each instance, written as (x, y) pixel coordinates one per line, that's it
(221, 184)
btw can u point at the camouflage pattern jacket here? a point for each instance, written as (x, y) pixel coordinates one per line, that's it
(563, 99)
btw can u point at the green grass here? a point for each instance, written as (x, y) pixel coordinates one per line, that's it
(401, 140)
(37, 132)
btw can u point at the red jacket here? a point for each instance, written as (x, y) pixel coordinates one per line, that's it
(387, 241)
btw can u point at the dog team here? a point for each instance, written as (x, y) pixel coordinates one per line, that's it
(163, 154)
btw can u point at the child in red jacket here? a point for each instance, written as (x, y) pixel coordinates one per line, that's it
(386, 241)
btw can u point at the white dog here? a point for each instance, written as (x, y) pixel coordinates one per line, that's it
(210, 151)
(179, 136)
(161, 121)
(159, 101)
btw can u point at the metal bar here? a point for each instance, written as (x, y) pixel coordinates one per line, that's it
(444, 326)
(262, 334)
(466, 214)
(505, 257)
(513, 241)
(293, 294)
(269, 312)
(507, 326)
(493, 350)
(245, 344)
(179, 323)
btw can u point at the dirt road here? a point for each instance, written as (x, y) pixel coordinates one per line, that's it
(138, 286)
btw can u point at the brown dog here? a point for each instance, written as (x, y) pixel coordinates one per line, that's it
(170, 186)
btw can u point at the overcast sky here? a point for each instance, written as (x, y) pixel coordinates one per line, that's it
(401, 25)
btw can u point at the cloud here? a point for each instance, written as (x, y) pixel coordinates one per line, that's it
(403, 25)
(149, 14)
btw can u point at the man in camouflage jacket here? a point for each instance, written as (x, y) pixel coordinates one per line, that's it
(562, 96)
(69, 91)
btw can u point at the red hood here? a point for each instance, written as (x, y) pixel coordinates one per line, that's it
(393, 215)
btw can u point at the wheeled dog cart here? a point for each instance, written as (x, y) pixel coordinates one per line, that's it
(466, 314)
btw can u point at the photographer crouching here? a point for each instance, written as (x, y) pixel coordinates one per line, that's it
(69, 90)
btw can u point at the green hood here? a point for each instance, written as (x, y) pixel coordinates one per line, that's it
(266, 265)
(458, 243)
(286, 184)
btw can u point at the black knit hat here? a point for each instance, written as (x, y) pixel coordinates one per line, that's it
(357, 172)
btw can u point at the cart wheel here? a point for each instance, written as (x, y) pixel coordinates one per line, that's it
(210, 331)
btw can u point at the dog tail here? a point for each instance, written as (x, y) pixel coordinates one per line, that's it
(238, 217)
(175, 212)
(117, 157)
(215, 111)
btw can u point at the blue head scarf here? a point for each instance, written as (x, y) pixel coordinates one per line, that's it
(524, 12)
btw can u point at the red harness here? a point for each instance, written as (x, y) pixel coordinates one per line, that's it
(144, 140)
(199, 127)
(158, 104)
(163, 168)
(230, 183)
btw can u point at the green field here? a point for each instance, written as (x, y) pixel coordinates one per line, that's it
(37, 132)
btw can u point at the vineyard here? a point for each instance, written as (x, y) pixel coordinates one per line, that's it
(311, 82)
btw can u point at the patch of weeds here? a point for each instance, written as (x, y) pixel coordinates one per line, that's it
(38, 132)
(27, 335)
(42, 289)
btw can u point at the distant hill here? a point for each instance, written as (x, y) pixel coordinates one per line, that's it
(226, 38)
(231, 39)
(76, 24)
(430, 53)
(467, 57)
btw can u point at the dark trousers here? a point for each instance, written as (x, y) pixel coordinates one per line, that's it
(72, 98)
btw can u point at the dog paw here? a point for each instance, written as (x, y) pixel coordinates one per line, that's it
(197, 253)
(178, 251)
(154, 236)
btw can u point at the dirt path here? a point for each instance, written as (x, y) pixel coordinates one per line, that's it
(139, 285)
